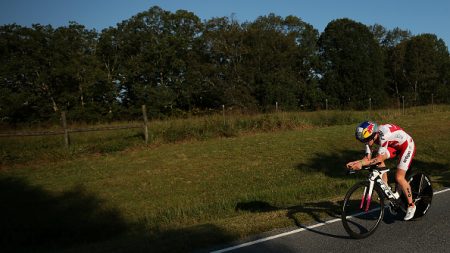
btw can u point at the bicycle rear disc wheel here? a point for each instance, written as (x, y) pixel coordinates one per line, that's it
(422, 193)
(361, 214)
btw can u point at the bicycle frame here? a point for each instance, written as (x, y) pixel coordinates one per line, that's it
(375, 177)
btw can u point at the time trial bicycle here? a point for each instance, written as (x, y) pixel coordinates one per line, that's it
(365, 202)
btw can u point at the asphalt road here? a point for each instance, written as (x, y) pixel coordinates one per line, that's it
(428, 234)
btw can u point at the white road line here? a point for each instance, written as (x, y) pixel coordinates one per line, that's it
(290, 232)
(445, 190)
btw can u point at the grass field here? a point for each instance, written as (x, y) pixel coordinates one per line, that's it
(14, 150)
(192, 192)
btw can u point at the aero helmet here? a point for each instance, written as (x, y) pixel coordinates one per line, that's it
(366, 131)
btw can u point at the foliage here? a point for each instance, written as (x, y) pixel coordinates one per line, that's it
(176, 64)
(352, 69)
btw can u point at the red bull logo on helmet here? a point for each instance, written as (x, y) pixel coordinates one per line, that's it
(365, 130)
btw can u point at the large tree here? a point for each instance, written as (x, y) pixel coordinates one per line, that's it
(352, 70)
(155, 49)
(281, 60)
(224, 52)
(394, 57)
(77, 81)
(425, 68)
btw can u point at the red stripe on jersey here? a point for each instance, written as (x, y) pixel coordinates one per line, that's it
(394, 128)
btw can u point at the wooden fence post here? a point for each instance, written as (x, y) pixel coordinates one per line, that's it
(66, 131)
(403, 102)
(144, 114)
(432, 102)
(223, 114)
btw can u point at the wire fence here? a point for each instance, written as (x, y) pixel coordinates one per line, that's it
(224, 111)
(66, 130)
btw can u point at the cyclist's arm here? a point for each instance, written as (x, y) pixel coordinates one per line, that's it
(368, 154)
(376, 160)
(368, 151)
(382, 153)
(367, 161)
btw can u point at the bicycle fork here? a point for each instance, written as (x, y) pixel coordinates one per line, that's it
(367, 197)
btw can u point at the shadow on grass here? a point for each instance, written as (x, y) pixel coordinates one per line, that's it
(439, 172)
(31, 218)
(319, 212)
(333, 165)
(313, 210)
(34, 220)
(198, 237)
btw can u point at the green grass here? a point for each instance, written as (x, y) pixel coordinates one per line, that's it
(16, 150)
(180, 196)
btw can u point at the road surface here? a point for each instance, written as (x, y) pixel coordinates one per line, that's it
(428, 234)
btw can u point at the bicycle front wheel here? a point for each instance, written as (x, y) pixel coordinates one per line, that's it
(361, 212)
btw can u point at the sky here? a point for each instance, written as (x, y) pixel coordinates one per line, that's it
(417, 16)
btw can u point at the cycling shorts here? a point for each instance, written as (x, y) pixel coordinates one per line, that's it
(406, 154)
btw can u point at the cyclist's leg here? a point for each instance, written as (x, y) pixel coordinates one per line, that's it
(404, 185)
(392, 153)
(403, 165)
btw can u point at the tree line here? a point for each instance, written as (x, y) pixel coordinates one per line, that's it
(175, 63)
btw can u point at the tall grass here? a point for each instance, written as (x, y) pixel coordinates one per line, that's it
(26, 149)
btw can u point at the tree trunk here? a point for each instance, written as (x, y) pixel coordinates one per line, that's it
(415, 92)
(81, 96)
(55, 107)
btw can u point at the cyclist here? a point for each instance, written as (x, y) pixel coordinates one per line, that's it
(392, 141)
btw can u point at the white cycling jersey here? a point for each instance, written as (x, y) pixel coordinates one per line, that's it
(394, 141)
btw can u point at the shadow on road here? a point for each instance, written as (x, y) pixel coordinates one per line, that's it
(319, 212)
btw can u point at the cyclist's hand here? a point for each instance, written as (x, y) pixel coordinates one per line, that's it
(355, 165)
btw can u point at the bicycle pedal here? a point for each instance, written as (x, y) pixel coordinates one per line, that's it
(392, 210)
